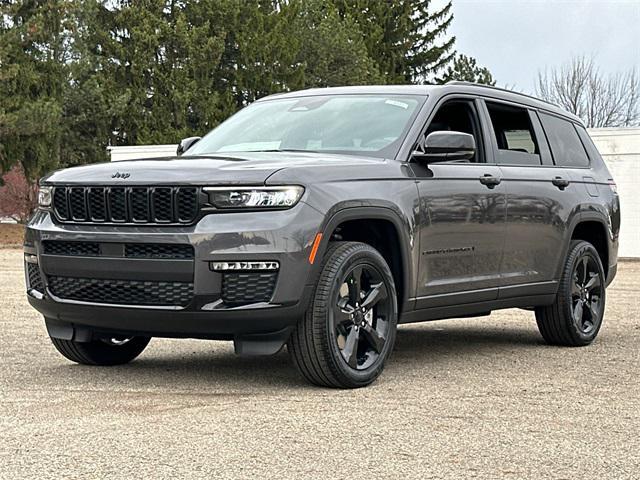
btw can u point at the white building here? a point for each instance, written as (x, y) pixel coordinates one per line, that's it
(141, 151)
(620, 148)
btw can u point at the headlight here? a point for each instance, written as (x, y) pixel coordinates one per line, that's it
(255, 197)
(44, 196)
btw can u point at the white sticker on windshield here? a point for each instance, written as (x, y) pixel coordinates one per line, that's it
(396, 103)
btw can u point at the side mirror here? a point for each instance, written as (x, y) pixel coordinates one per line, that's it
(186, 143)
(445, 146)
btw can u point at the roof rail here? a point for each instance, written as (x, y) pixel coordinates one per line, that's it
(474, 84)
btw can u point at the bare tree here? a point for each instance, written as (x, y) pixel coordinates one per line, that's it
(600, 100)
(17, 195)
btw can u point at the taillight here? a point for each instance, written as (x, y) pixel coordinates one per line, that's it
(613, 186)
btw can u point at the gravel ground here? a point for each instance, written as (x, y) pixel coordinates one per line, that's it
(475, 398)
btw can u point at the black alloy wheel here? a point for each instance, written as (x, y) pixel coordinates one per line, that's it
(360, 317)
(575, 317)
(349, 329)
(587, 292)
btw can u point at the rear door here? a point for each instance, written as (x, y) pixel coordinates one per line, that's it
(463, 207)
(538, 195)
(569, 151)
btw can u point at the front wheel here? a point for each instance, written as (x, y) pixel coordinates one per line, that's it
(108, 351)
(575, 318)
(349, 330)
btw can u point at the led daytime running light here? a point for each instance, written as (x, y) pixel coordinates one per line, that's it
(245, 266)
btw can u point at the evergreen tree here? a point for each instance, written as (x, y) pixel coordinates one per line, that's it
(151, 66)
(332, 49)
(467, 69)
(261, 51)
(154, 71)
(34, 41)
(429, 52)
(407, 38)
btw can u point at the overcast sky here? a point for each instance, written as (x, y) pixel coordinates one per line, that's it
(515, 38)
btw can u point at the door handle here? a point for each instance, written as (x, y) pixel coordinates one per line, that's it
(489, 180)
(560, 182)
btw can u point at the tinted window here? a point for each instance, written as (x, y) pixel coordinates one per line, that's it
(592, 150)
(515, 138)
(458, 116)
(566, 147)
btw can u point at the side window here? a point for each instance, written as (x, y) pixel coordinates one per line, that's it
(515, 136)
(459, 116)
(566, 147)
(592, 150)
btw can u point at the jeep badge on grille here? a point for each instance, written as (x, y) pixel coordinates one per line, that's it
(121, 175)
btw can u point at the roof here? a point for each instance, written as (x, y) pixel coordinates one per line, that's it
(486, 91)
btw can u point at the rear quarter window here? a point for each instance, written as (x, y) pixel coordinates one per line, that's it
(566, 147)
(592, 150)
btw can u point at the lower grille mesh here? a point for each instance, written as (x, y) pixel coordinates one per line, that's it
(124, 292)
(245, 288)
(85, 249)
(158, 250)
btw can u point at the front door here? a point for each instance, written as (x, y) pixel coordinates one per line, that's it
(463, 206)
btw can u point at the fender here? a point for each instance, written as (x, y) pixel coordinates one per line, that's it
(404, 227)
(591, 216)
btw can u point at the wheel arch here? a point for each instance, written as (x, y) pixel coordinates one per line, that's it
(593, 229)
(355, 223)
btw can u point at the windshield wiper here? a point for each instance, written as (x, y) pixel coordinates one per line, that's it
(285, 150)
(229, 155)
(215, 157)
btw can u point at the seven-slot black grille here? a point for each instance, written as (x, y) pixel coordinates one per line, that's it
(250, 287)
(83, 249)
(129, 205)
(123, 292)
(34, 278)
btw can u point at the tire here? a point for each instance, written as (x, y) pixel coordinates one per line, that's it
(349, 330)
(101, 352)
(575, 317)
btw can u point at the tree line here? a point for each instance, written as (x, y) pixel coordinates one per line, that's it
(77, 76)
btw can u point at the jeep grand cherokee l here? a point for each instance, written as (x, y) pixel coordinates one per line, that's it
(322, 219)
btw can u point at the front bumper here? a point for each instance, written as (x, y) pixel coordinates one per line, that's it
(282, 236)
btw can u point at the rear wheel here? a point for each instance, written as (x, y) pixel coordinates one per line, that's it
(349, 330)
(115, 350)
(575, 318)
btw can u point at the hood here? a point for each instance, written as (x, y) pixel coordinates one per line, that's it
(247, 168)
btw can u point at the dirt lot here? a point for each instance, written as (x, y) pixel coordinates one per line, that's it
(477, 398)
(11, 235)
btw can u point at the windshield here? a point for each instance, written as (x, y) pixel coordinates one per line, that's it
(354, 124)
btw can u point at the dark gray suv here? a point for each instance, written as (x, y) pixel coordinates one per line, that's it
(324, 218)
